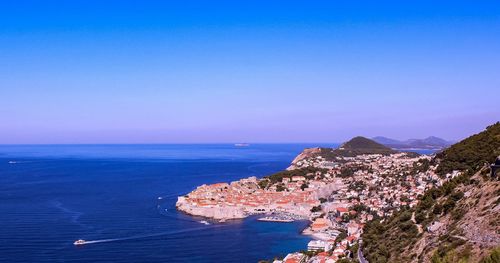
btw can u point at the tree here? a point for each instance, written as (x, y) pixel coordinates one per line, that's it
(341, 236)
(448, 205)
(438, 209)
(280, 188)
(316, 209)
(263, 183)
(494, 256)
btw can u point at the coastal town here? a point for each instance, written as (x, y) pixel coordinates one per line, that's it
(338, 193)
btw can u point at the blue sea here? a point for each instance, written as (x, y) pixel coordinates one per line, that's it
(123, 197)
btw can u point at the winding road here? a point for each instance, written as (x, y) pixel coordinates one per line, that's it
(361, 257)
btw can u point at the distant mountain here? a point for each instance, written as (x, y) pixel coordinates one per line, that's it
(430, 142)
(386, 141)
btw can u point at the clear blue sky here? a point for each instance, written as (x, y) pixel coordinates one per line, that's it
(223, 71)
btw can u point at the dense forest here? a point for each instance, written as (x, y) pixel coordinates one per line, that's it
(472, 153)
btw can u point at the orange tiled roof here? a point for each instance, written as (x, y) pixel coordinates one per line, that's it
(342, 210)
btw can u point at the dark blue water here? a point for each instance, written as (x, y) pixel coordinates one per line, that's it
(53, 195)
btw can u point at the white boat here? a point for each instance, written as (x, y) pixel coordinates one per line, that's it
(204, 222)
(79, 242)
(241, 144)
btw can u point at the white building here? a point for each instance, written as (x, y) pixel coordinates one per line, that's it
(315, 245)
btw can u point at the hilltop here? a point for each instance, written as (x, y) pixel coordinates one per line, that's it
(456, 222)
(362, 145)
(356, 146)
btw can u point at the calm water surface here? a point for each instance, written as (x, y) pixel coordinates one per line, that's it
(51, 195)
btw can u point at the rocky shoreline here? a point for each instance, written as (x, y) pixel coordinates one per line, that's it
(217, 213)
(246, 197)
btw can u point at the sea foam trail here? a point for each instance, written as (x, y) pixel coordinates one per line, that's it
(167, 212)
(150, 235)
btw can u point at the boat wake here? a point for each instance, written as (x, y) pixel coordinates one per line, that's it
(74, 216)
(14, 162)
(147, 236)
(163, 211)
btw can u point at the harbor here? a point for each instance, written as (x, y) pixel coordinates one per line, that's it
(281, 217)
(275, 219)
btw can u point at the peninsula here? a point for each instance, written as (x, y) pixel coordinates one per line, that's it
(337, 190)
(318, 178)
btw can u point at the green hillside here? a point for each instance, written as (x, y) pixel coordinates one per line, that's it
(471, 153)
(402, 237)
(361, 145)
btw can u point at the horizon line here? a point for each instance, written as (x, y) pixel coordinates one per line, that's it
(164, 143)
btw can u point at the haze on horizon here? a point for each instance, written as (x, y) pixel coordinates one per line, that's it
(201, 72)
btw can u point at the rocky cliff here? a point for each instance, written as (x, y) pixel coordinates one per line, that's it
(306, 153)
(210, 212)
(469, 231)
